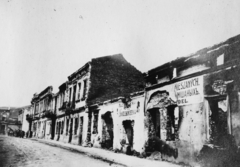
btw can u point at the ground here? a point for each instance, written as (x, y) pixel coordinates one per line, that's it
(18, 152)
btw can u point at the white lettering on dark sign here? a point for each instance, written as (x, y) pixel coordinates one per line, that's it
(189, 91)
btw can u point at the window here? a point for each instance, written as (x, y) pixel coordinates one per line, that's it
(74, 92)
(79, 91)
(84, 89)
(70, 94)
(36, 108)
(3, 118)
(220, 60)
(76, 126)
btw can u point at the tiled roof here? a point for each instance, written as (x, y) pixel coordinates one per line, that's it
(111, 77)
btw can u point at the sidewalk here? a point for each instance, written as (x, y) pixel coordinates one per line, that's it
(109, 156)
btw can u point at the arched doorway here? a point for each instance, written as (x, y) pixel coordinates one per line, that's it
(107, 130)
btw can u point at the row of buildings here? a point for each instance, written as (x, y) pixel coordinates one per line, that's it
(176, 108)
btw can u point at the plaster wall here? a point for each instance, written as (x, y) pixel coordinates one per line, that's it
(192, 69)
(118, 129)
(192, 127)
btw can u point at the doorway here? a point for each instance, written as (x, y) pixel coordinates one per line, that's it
(107, 130)
(218, 120)
(128, 126)
(80, 131)
(154, 122)
(70, 130)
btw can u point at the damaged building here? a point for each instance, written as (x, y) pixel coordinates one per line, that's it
(83, 115)
(181, 109)
(193, 102)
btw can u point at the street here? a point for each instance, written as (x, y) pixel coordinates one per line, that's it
(17, 152)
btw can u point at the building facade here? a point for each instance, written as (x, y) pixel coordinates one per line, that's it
(193, 101)
(99, 80)
(43, 118)
(118, 124)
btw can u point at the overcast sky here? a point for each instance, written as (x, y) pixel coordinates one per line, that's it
(44, 41)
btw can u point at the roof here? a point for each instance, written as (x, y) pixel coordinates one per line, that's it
(42, 93)
(230, 48)
(70, 77)
(112, 76)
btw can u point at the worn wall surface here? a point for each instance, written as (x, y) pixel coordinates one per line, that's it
(190, 122)
(122, 113)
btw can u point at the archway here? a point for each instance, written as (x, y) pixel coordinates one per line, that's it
(160, 115)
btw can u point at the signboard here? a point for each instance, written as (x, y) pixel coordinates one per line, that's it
(189, 91)
(127, 112)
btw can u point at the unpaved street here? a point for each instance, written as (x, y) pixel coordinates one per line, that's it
(17, 152)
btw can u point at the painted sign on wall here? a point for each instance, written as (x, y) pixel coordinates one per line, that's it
(189, 91)
(127, 112)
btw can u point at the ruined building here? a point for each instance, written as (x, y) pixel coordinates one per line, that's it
(187, 106)
(79, 105)
(193, 101)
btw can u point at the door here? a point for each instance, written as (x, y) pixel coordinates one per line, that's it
(80, 131)
(70, 130)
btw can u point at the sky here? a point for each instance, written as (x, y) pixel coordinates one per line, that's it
(42, 42)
